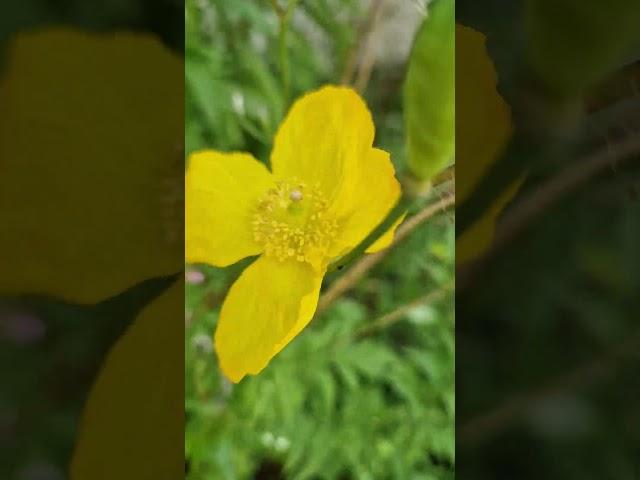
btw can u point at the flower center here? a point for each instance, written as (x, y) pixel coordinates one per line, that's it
(291, 222)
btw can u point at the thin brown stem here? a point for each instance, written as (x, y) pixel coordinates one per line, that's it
(349, 279)
(555, 189)
(401, 312)
(277, 8)
(368, 59)
(363, 42)
(527, 210)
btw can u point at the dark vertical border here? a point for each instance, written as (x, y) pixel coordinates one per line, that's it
(547, 279)
(91, 240)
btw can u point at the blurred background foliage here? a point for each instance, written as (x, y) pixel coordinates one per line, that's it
(340, 401)
(547, 321)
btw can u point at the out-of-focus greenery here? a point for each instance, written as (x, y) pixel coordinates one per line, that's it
(547, 335)
(234, 84)
(431, 74)
(333, 404)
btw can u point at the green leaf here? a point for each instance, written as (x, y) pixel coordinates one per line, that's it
(211, 96)
(368, 358)
(429, 96)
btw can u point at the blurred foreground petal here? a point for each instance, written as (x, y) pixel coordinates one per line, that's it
(133, 424)
(483, 127)
(91, 141)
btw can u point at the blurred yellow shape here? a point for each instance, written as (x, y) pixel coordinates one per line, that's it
(91, 157)
(132, 426)
(483, 127)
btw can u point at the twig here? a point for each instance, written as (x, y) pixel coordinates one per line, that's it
(546, 195)
(369, 53)
(407, 205)
(444, 202)
(583, 376)
(401, 312)
(277, 8)
(366, 263)
(555, 189)
(362, 42)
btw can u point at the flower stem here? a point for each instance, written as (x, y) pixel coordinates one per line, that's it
(405, 205)
(284, 17)
(367, 262)
(277, 8)
(408, 204)
(402, 311)
(284, 62)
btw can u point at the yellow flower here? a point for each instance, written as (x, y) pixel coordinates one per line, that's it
(328, 189)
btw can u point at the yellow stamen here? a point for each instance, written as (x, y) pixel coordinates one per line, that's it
(291, 222)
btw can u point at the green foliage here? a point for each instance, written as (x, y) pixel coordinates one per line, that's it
(572, 56)
(332, 404)
(430, 93)
(547, 387)
(233, 81)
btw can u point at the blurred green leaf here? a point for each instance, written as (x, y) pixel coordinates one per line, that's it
(430, 93)
(572, 56)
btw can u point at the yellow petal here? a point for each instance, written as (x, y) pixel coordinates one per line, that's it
(483, 127)
(222, 191)
(269, 304)
(323, 133)
(387, 238)
(371, 194)
(91, 162)
(132, 421)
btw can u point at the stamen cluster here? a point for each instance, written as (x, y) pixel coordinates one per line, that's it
(291, 222)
